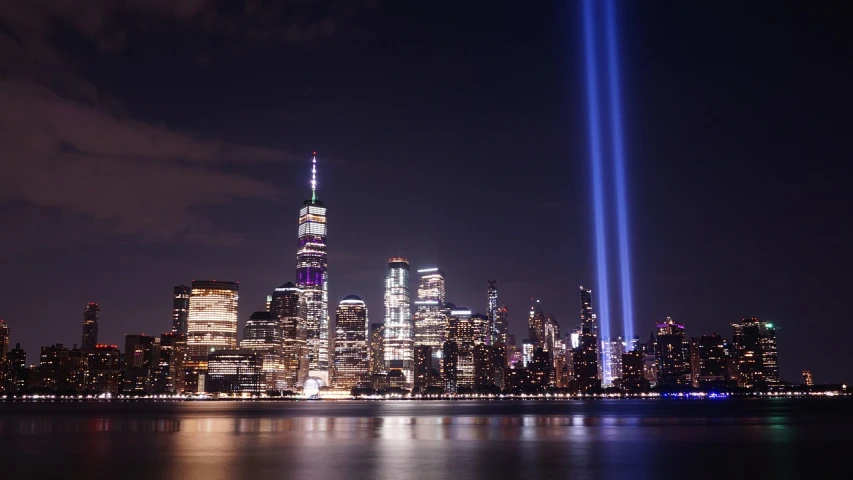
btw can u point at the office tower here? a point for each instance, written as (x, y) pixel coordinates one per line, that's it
(755, 347)
(377, 348)
(496, 327)
(287, 305)
(90, 326)
(488, 368)
(141, 358)
(169, 377)
(449, 367)
(501, 324)
(352, 357)
(234, 371)
(212, 322)
(650, 364)
(104, 374)
(4, 351)
(423, 368)
(540, 368)
(399, 330)
(312, 279)
(536, 324)
(60, 370)
(550, 334)
(16, 364)
(430, 313)
(180, 308)
(712, 358)
(585, 357)
(672, 353)
(482, 332)
(808, 380)
(527, 349)
(612, 357)
(633, 373)
(263, 335)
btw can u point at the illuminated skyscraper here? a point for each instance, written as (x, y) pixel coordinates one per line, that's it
(263, 335)
(287, 305)
(536, 324)
(713, 359)
(755, 349)
(430, 314)
(399, 329)
(808, 380)
(170, 369)
(312, 279)
(377, 348)
(498, 333)
(180, 309)
(352, 358)
(462, 336)
(4, 341)
(502, 324)
(212, 321)
(585, 357)
(90, 327)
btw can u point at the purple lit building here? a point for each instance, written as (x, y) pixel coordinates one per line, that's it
(311, 279)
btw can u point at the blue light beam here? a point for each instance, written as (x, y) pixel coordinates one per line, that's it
(618, 152)
(597, 174)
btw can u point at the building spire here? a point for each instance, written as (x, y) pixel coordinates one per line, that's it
(314, 179)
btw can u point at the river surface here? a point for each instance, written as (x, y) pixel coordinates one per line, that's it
(596, 439)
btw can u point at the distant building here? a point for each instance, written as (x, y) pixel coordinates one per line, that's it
(169, 375)
(633, 377)
(808, 380)
(672, 353)
(288, 306)
(755, 349)
(423, 367)
(4, 361)
(536, 325)
(377, 348)
(399, 329)
(90, 326)
(17, 372)
(180, 308)
(713, 358)
(263, 334)
(585, 356)
(141, 360)
(234, 371)
(352, 356)
(430, 314)
(212, 321)
(104, 375)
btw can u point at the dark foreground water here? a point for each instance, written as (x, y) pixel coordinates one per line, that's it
(620, 439)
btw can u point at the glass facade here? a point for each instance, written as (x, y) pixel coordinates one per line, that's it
(234, 371)
(399, 328)
(755, 350)
(212, 321)
(286, 305)
(311, 279)
(352, 357)
(430, 311)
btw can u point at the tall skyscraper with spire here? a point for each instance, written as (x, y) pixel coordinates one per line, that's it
(311, 279)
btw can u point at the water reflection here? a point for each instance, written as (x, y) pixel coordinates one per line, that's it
(402, 440)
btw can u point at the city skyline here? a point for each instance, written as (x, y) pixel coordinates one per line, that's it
(472, 155)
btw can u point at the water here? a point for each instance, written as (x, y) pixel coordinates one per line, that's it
(636, 439)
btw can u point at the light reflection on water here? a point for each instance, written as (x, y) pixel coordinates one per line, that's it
(415, 439)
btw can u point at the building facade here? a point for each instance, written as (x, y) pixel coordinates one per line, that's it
(585, 356)
(91, 316)
(755, 349)
(399, 328)
(263, 335)
(212, 320)
(672, 354)
(180, 308)
(234, 371)
(352, 356)
(430, 314)
(287, 305)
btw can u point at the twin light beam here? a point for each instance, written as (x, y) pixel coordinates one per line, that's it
(600, 168)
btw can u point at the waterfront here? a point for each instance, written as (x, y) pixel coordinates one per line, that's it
(402, 439)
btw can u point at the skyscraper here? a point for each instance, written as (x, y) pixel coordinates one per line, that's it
(399, 330)
(536, 324)
(180, 308)
(212, 320)
(502, 324)
(90, 327)
(672, 353)
(312, 279)
(4, 341)
(755, 349)
(141, 359)
(286, 305)
(352, 357)
(496, 335)
(713, 359)
(430, 315)
(377, 348)
(263, 335)
(585, 356)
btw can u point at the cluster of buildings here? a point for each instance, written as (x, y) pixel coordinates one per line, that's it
(426, 345)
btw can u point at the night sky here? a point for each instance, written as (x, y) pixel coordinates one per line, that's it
(146, 145)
